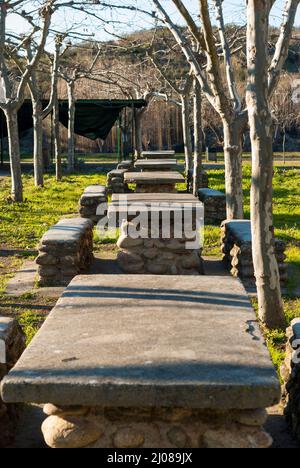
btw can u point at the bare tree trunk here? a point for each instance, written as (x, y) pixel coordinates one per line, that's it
(57, 153)
(197, 138)
(187, 141)
(14, 153)
(71, 127)
(38, 161)
(233, 149)
(265, 263)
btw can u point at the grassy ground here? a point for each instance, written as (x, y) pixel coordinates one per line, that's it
(290, 157)
(22, 225)
(101, 157)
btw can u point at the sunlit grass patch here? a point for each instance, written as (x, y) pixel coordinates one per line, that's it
(212, 240)
(109, 237)
(30, 322)
(276, 341)
(23, 224)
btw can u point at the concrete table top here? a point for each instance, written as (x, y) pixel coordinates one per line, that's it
(158, 154)
(154, 197)
(136, 341)
(127, 205)
(154, 178)
(156, 164)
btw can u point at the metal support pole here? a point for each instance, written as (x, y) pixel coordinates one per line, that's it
(119, 139)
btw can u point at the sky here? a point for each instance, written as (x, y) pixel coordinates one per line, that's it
(124, 21)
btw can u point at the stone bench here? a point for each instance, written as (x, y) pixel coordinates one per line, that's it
(149, 361)
(290, 373)
(214, 205)
(92, 197)
(236, 239)
(12, 345)
(115, 181)
(154, 182)
(128, 165)
(65, 251)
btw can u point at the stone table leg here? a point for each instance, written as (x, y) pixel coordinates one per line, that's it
(154, 428)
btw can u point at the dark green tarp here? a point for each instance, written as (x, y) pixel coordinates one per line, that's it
(93, 118)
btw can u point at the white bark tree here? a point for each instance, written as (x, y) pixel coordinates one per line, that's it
(71, 74)
(14, 98)
(38, 112)
(183, 91)
(224, 99)
(56, 139)
(70, 79)
(261, 83)
(222, 93)
(198, 141)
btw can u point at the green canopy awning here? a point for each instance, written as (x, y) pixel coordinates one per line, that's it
(93, 118)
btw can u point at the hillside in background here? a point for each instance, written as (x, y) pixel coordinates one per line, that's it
(124, 70)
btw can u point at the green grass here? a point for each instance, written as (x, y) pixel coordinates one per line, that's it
(97, 158)
(276, 341)
(290, 158)
(30, 322)
(286, 201)
(22, 225)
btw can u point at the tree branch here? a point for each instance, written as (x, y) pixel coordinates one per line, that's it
(227, 57)
(282, 46)
(186, 49)
(46, 13)
(213, 64)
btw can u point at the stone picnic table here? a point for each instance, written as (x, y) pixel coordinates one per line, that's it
(156, 164)
(149, 361)
(160, 232)
(154, 182)
(158, 154)
(151, 202)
